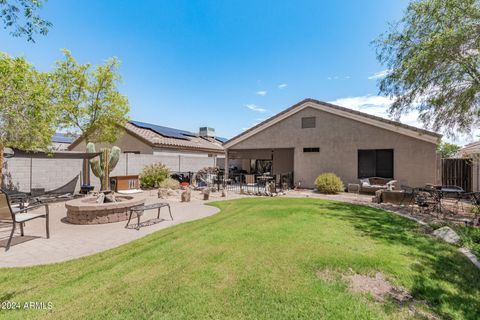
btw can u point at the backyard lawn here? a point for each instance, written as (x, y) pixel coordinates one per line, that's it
(259, 258)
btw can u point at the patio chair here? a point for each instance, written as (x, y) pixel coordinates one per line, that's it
(427, 199)
(20, 216)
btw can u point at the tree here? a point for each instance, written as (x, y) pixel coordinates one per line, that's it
(88, 100)
(22, 17)
(433, 58)
(447, 150)
(27, 117)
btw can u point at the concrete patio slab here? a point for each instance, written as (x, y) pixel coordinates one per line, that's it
(69, 241)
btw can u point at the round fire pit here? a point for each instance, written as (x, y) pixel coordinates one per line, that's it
(88, 211)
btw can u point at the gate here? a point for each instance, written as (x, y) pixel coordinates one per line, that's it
(457, 172)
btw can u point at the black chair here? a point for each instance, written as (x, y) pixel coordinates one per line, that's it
(427, 199)
(20, 216)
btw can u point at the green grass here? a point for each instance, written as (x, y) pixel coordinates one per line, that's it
(256, 259)
(469, 236)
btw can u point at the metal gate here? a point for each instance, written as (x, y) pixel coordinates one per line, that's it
(457, 172)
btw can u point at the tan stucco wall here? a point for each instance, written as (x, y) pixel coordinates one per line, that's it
(126, 142)
(339, 139)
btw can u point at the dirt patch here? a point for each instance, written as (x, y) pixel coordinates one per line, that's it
(328, 275)
(378, 287)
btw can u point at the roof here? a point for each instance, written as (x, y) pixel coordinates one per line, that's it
(470, 148)
(60, 137)
(159, 136)
(165, 137)
(395, 126)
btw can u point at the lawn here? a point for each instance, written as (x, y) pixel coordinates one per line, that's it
(257, 259)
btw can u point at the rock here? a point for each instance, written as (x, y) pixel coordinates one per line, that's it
(186, 195)
(162, 193)
(447, 234)
(206, 193)
(109, 198)
(101, 198)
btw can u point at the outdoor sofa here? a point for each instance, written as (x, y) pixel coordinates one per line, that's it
(373, 184)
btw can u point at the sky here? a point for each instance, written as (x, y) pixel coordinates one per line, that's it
(225, 64)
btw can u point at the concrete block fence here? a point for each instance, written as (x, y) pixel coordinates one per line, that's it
(23, 173)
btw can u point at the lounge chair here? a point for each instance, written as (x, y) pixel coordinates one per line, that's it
(20, 216)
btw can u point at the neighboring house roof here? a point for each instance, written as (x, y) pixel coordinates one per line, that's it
(62, 138)
(470, 148)
(165, 137)
(395, 126)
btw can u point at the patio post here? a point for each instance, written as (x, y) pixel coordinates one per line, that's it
(226, 164)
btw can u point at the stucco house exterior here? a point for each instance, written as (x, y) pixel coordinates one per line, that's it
(146, 138)
(313, 137)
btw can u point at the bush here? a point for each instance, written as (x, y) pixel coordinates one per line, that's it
(169, 183)
(329, 183)
(152, 175)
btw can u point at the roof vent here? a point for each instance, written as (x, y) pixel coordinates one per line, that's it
(207, 132)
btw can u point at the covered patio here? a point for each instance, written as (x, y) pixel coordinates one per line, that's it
(257, 166)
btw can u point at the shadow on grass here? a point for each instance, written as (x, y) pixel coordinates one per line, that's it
(437, 263)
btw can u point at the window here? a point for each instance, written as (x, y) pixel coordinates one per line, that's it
(375, 163)
(308, 122)
(315, 149)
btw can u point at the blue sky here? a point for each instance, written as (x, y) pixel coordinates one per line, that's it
(224, 64)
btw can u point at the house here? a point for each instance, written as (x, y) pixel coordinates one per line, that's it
(313, 137)
(61, 141)
(146, 138)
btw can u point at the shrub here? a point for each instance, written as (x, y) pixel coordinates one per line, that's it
(169, 183)
(329, 183)
(152, 175)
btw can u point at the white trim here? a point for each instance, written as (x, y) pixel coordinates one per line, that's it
(345, 114)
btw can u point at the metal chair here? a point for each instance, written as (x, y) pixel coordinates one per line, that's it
(20, 216)
(427, 199)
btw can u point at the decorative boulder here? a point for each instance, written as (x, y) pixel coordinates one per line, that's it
(163, 193)
(447, 234)
(186, 195)
(206, 193)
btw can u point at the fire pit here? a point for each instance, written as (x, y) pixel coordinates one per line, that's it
(89, 211)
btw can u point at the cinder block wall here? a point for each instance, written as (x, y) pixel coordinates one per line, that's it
(25, 173)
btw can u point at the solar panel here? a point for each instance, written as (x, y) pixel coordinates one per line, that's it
(165, 131)
(62, 138)
(222, 140)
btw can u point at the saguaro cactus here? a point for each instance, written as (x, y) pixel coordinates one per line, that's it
(102, 167)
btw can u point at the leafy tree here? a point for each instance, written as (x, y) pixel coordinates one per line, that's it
(21, 16)
(27, 117)
(433, 57)
(88, 99)
(447, 150)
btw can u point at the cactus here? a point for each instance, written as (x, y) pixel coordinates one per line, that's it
(102, 167)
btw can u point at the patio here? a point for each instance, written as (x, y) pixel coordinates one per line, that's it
(69, 241)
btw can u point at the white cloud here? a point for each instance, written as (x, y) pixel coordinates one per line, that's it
(379, 75)
(339, 78)
(261, 93)
(282, 86)
(256, 108)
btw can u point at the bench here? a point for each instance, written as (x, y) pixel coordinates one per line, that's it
(139, 210)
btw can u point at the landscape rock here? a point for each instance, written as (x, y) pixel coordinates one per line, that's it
(186, 195)
(447, 234)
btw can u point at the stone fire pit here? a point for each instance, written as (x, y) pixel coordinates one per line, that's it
(88, 211)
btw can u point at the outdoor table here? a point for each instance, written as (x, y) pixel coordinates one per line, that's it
(140, 209)
(456, 192)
